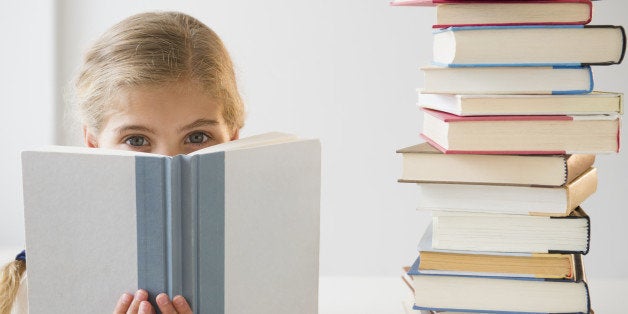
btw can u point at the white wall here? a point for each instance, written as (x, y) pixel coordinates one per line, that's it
(346, 72)
(26, 102)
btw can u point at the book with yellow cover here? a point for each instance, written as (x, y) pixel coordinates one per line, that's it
(507, 294)
(533, 265)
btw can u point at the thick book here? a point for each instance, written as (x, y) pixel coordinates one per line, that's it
(495, 264)
(508, 80)
(546, 45)
(234, 228)
(591, 134)
(481, 232)
(508, 199)
(594, 103)
(492, 13)
(478, 294)
(423, 163)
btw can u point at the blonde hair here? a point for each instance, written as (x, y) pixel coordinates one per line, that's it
(155, 48)
(9, 283)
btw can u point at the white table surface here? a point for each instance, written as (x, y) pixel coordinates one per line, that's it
(383, 295)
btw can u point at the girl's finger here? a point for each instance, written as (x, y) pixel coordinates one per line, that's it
(146, 308)
(181, 305)
(164, 304)
(123, 304)
(140, 296)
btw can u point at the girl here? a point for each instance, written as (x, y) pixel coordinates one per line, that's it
(156, 82)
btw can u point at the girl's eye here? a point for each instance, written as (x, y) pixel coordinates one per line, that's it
(136, 141)
(197, 138)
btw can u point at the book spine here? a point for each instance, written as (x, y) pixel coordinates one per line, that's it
(174, 234)
(210, 217)
(189, 229)
(152, 194)
(577, 164)
(581, 188)
(586, 288)
(588, 241)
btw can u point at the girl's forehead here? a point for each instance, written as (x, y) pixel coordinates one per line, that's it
(171, 104)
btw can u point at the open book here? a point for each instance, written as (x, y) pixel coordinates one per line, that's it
(234, 228)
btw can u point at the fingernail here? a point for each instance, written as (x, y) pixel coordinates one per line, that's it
(162, 299)
(126, 298)
(139, 294)
(178, 300)
(144, 307)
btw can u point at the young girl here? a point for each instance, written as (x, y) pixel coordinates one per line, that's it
(156, 82)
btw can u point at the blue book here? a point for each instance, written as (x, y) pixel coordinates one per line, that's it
(538, 45)
(554, 80)
(234, 228)
(498, 294)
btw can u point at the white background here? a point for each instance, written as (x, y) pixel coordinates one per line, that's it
(342, 71)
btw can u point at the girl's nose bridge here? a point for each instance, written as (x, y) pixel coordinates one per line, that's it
(169, 149)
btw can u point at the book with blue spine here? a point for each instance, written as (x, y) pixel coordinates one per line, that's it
(234, 228)
(549, 80)
(499, 294)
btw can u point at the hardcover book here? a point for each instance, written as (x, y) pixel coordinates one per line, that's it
(478, 294)
(591, 134)
(234, 228)
(508, 199)
(594, 103)
(546, 45)
(480, 232)
(539, 12)
(423, 163)
(493, 264)
(508, 80)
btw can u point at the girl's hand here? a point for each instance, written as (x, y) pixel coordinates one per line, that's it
(138, 304)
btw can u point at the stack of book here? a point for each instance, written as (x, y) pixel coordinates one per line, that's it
(511, 128)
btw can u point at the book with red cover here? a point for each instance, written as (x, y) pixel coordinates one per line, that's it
(505, 12)
(529, 135)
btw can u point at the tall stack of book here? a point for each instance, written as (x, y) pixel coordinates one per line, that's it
(511, 128)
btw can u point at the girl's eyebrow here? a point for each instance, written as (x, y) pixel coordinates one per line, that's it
(199, 123)
(133, 127)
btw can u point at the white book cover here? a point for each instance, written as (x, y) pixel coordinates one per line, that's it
(234, 228)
